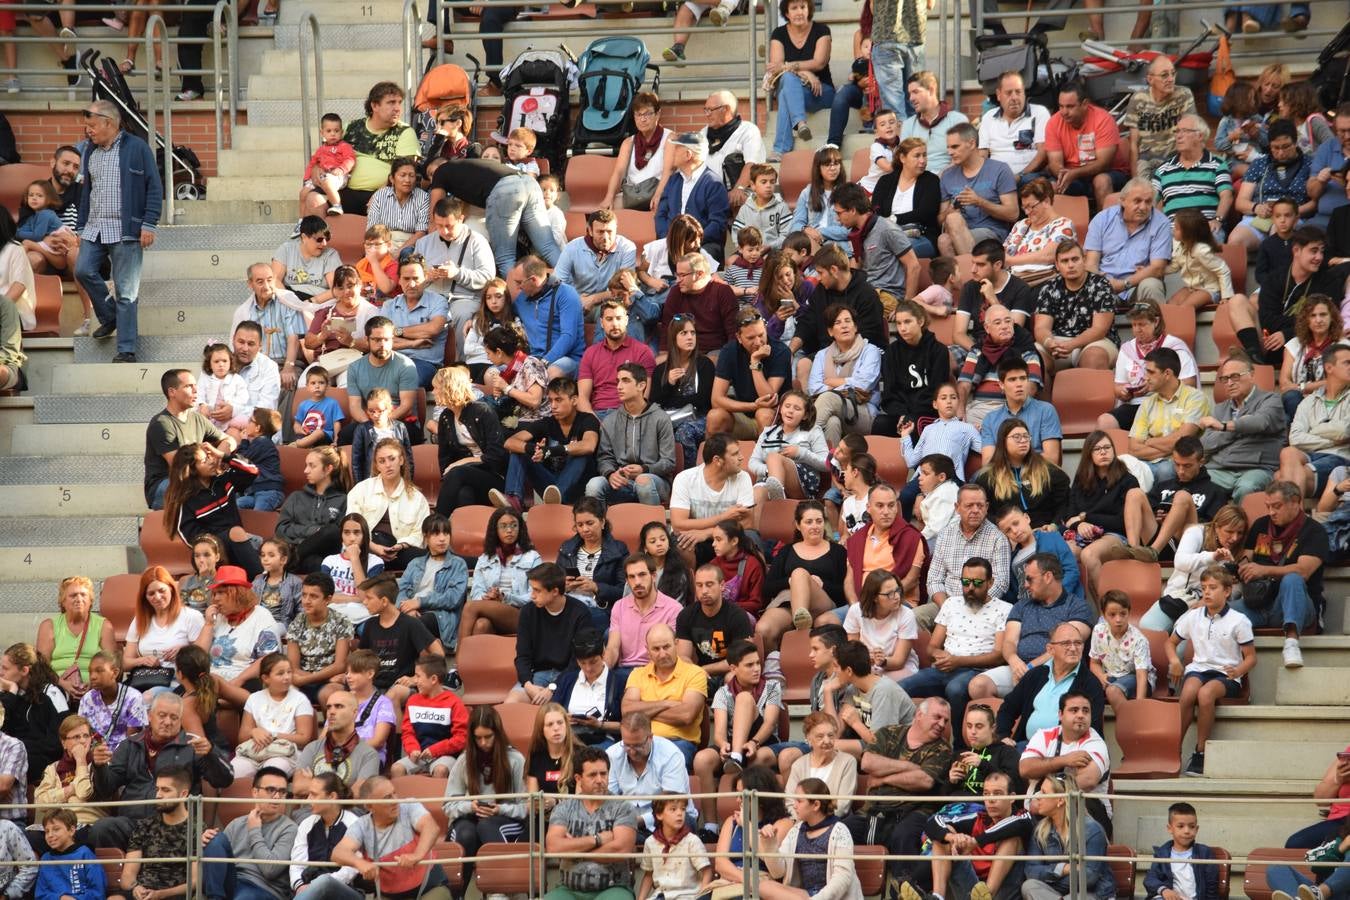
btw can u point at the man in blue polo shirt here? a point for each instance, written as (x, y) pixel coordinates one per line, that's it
(551, 315)
(1328, 166)
(1131, 244)
(590, 261)
(1040, 417)
(419, 316)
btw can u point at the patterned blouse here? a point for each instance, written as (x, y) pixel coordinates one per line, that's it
(129, 707)
(1121, 656)
(1025, 239)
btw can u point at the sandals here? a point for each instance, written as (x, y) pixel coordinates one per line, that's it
(801, 619)
(127, 66)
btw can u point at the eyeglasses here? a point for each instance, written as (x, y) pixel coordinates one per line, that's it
(320, 238)
(685, 274)
(445, 121)
(712, 109)
(1104, 448)
(1230, 379)
(972, 582)
(1029, 208)
(896, 592)
(272, 791)
(1180, 130)
(1165, 76)
(1020, 437)
(1070, 644)
(643, 113)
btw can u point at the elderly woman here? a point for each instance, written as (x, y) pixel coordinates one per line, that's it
(1030, 246)
(305, 263)
(401, 206)
(643, 166)
(473, 446)
(239, 631)
(162, 626)
(67, 782)
(378, 139)
(392, 506)
(799, 57)
(71, 639)
(845, 378)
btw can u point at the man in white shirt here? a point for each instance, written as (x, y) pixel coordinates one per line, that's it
(727, 135)
(717, 491)
(262, 376)
(1015, 132)
(1075, 748)
(644, 764)
(459, 262)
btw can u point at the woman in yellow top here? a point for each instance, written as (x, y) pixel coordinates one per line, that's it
(71, 639)
(66, 782)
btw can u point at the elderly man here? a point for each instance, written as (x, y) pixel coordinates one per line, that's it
(1031, 622)
(584, 832)
(1075, 314)
(119, 209)
(711, 304)
(551, 315)
(176, 425)
(733, 145)
(752, 374)
(588, 263)
(1170, 410)
(265, 833)
(970, 534)
(1082, 148)
(381, 367)
(645, 763)
(336, 753)
(977, 386)
(511, 202)
(1131, 244)
(277, 311)
(979, 195)
(695, 188)
(1194, 178)
(1152, 114)
(405, 831)
(990, 283)
(419, 316)
(1329, 168)
(907, 764)
(1014, 134)
(670, 691)
(129, 773)
(880, 247)
(931, 119)
(1034, 703)
(1075, 746)
(458, 261)
(1245, 433)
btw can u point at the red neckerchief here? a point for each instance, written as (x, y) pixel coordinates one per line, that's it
(1286, 538)
(235, 618)
(1314, 351)
(735, 688)
(337, 754)
(599, 254)
(1145, 349)
(458, 149)
(943, 109)
(505, 552)
(509, 374)
(666, 845)
(643, 149)
(750, 268)
(65, 769)
(857, 235)
(994, 352)
(152, 748)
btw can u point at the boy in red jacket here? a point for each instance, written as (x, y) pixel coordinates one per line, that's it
(435, 722)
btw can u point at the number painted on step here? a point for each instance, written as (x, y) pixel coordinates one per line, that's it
(106, 434)
(28, 559)
(143, 371)
(215, 259)
(367, 11)
(65, 494)
(264, 209)
(182, 316)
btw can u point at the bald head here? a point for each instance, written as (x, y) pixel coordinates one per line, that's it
(661, 647)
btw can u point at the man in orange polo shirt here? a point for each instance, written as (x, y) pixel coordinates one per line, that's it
(673, 692)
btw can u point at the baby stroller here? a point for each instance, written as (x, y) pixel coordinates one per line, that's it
(110, 84)
(536, 94)
(1028, 54)
(1112, 75)
(612, 70)
(441, 86)
(1332, 75)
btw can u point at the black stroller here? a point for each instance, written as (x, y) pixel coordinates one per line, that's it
(110, 84)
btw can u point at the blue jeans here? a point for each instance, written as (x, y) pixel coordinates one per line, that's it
(219, 880)
(1269, 17)
(522, 471)
(933, 682)
(1287, 879)
(964, 877)
(847, 98)
(262, 501)
(1314, 835)
(1323, 464)
(647, 488)
(687, 749)
(795, 100)
(689, 434)
(923, 248)
(426, 370)
(157, 495)
(567, 365)
(1162, 469)
(126, 273)
(1292, 606)
(892, 64)
(516, 203)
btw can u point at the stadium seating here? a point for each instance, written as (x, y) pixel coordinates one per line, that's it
(797, 668)
(550, 527)
(1262, 858)
(468, 527)
(794, 173)
(47, 305)
(1149, 733)
(587, 180)
(495, 875)
(1122, 869)
(1080, 396)
(117, 600)
(1141, 581)
(487, 664)
(518, 720)
(427, 788)
(626, 521)
(1263, 376)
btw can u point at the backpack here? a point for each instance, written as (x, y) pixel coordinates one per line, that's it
(612, 69)
(1332, 76)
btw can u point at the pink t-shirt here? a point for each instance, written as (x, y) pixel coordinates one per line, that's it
(632, 626)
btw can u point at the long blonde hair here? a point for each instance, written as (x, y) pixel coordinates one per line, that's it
(1042, 832)
(1035, 470)
(539, 744)
(1230, 515)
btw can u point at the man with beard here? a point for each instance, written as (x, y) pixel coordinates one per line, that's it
(162, 835)
(550, 312)
(978, 384)
(381, 367)
(459, 261)
(588, 263)
(259, 372)
(59, 251)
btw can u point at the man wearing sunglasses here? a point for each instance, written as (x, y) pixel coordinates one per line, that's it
(120, 201)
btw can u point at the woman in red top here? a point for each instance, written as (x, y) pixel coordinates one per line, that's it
(742, 566)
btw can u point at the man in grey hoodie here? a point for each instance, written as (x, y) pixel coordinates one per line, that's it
(637, 446)
(265, 833)
(1243, 437)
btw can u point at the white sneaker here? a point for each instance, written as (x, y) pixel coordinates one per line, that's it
(720, 14)
(12, 86)
(496, 897)
(773, 488)
(552, 496)
(83, 330)
(1293, 655)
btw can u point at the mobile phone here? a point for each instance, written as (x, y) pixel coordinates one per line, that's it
(1343, 756)
(571, 571)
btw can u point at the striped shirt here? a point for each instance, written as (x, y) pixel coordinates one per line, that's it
(105, 193)
(950, 437)
(384, 209)
(278, 323)
(1196, 186)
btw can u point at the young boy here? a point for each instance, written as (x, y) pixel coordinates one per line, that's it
(550, 187)
(937, 489)
(317, 640)
(375, 716)
(378, 268)
(520, 151)
(83, 878)
(1025, 543)
(1223, 652)
(317, 418)
(764, 209)
(675, 863)
(873, 702)
(1179, 878)
(331, 163)
(936, 299)
(381, 424)
(547, 629)
(1275, 252)
(395, 638)
(744, 269)
(1119, 653)
(746, 709)
(882, 154)
(259, 448)
(435, 722)
(849, 445)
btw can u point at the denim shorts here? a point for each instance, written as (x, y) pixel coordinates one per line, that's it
(1232, 686)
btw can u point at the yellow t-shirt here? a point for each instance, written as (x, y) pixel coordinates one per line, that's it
(686, 677)
(372, 168)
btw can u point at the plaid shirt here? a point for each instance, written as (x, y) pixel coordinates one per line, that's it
(952, 550)
(14, 761)
(105, 194)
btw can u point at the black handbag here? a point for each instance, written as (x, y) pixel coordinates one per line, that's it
(144, 678)
(1260, 593)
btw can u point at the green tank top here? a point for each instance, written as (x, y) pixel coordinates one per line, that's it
(63, 653)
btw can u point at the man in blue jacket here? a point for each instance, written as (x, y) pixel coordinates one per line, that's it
(1179, 878)
(119, 208)
(694, 189)
(551, 315)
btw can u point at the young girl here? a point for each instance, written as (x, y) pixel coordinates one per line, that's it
(1299, 104)
(500, 577)
(496, 310)
(860, 473)
(203, 691)
(488, 766)
(1196, 255)
(549, 770)
(550, 187)
(1240, 131)
(672, 575)
(656, 265)
(814, 215)
(936, 480)
(742, 566)
(195, 589)
(885, 625)
(789, 457)
(114, 710)
(308, 520)
(351, 566)
(816, 832)
(675, 864)
(278, 591)
(278, 721)
(1316, 328)
(379, 406)
(375, 713)
(222, 390)
(781, 293)
(1119, 653)
(37, 216)
(433, 586)
(203, 499)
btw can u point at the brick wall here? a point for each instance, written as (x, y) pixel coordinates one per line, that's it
(40, 132)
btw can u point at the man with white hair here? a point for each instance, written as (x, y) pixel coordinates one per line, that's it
(119, 209)
(1131, 244)
(1194, 178)
(696, 189)
(733, 143)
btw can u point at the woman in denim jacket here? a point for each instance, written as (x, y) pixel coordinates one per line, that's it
(501, 584)
(445, 599)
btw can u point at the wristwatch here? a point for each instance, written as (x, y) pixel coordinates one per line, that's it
(757, 367)
(398, 331)
(553, 687)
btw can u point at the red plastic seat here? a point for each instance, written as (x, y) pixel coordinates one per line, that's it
(626, 521)
(292, 467)
(871, 868)
(1076, 209)
(1122, 869)
(587, 180)
(1149, 734)
(1080, 396)
(796, 666)
(518, 720)
(1263, 376)
(1222, 332)
(162, 550)
(794, 173)
(348, 237)
(638, 225)
(14, 181)
(1180, 322)
(1141, 581)
(890, 459)
(468, 528)
(428, 789)
(493, 875)
(550, 525)
(487, 665)
(427, 471)
(776, 520)
(1262, 858)
(117, 602)
(858, 166)
(47, 306)
(1236, 257)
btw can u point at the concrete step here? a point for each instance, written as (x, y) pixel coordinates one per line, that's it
(1275, 724)
(216, 238)
(383, 29)
(96, 408)
(287, 111)
(47, 563)
(341, 12)
(60, 531)
(192, 292)
(1313, 686)
(116, 439)
(80, 495)
(66, 470)
(111, 378)
(1322, 655)
(1252, 759)
(263, 163)
(379, 60)
(168, 320)
(336, 83)
(152, 349)
(268, 137)
(229, 264)
(241, 211)
(276, 188)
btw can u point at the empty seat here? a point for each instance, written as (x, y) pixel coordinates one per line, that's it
(493, 875)
(1076, 210)
(776, 520)
(1080, 396)
(550, 525)
(797, 668)
(869, 865)
(890, 459)
(944, 329)
(1141, 581)
(162, 550)
(110, 858)
(638, 225)
(452, 855)
(427, 470)
(1225, 871)
(794, 173)
(1122, 869)
(858, 166)
(1180, 322)
(487, 665)
(348, 237)
(1236, 257)
(117, 602)
(263, 524)
(1149, 734)
(587, 181)
(429, 790)
(575, 224)
(1221, 331)
(468, 528)
(292, 467)
(626, 521)
(518, 721)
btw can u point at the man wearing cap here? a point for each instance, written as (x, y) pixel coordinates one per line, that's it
(511, 202)
(694, 189)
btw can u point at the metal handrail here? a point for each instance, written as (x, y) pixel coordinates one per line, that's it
(412, 57)
(313, 22)
(166, 91)
(230, 85)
